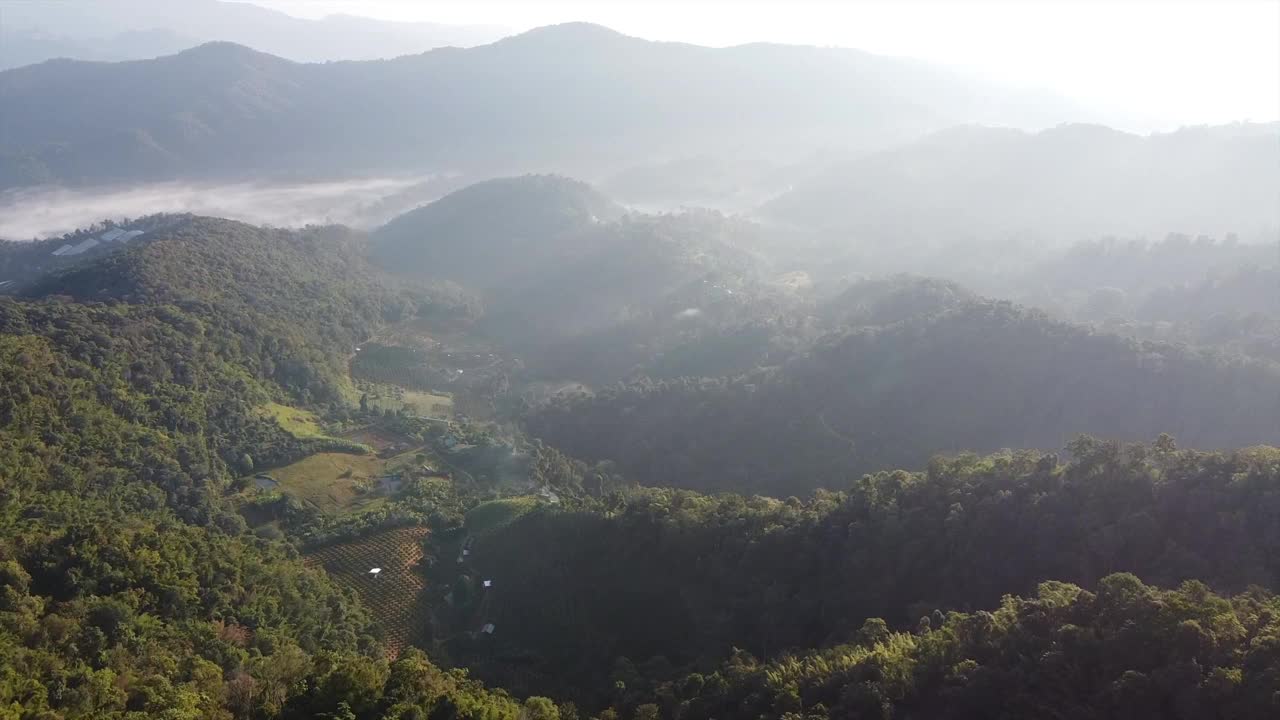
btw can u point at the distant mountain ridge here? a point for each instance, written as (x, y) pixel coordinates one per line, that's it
(1070, 182)
(115, 30)
(573, 98)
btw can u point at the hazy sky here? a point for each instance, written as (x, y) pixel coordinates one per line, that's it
(1176, 62)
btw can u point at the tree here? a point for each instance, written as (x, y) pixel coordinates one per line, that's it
(539, 708)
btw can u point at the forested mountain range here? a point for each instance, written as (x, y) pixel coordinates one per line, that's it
(114, 30)
(556, 97)
(922, 371)
(133, 383)
(651, 381)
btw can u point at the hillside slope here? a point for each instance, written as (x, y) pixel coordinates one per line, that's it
(583, 291)
(660, 581)
(297, 301)
(129, 390)
(977, 376)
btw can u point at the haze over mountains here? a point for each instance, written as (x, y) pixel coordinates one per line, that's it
(577, 376)
(112, 30)
(555, 98)
(1068, 182)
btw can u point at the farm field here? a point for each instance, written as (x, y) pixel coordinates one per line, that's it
(297, 422)
(377, 439)
(391, 595)
(385, 396)
(428, 404)
(334, 482)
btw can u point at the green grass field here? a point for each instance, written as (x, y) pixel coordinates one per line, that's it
(299, 423)
(381, 396)
(494, 514)
(428, 404)
(332, 482)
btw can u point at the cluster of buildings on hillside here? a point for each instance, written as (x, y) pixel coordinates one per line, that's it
(116, 235)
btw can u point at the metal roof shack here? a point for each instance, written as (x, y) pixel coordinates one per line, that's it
(86, 245)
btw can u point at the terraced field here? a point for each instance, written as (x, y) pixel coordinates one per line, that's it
(391, 595)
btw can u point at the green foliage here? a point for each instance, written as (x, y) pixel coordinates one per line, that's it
(138, 390)
(493, 515)
(1129, 650)
(128, 585)
(674, 578)
(290, 304)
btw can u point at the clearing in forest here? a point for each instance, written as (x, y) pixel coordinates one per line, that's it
(425, 404)
(299, 423)
(392, 594)
(376, 438)
(488, 516)
(386, 396)
(334, 482)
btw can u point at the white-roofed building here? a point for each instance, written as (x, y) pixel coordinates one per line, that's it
(111, 235)
(126, 237)
(62, 250)
(86, 245)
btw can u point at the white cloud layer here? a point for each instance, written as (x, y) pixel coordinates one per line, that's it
(42, 212)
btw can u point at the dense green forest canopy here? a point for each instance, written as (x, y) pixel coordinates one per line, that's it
(129, 585)
(146, 389)
(296, 301)
(672, 579)
(1127, 650)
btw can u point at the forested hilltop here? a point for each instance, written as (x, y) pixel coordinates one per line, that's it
(582, 290)
(129, 584)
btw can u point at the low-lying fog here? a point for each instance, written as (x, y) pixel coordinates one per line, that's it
(43, 212)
